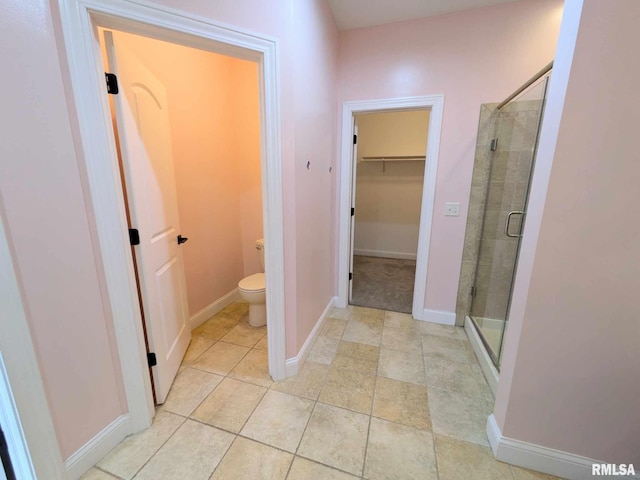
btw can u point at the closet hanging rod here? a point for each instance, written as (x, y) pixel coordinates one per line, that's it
(394, 158)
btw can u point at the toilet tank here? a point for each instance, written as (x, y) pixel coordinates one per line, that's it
(260, 248)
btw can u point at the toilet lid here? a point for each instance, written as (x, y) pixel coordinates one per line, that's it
(253, 282)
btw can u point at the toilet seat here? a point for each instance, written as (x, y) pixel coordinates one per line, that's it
(253, 283)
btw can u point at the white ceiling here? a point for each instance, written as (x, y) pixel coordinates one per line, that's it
(366, 13)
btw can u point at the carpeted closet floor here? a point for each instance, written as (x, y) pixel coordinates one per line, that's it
(384, 283)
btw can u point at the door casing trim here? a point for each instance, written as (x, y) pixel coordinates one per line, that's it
(79, 19)
(436, 104)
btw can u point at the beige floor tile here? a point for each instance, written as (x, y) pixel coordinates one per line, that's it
(221, 358)
(524, 474)
(403, 339)
(358, 350)
(367, 314)
(360, 331)
(343, 313)
(459, 416)
(229, 405)
(401, 402)
(131, 454)
(459, 460)
(324, 349)
(263, 344)
(348, 389)
(236, 310)
(253, 368)
(399, 320)
(249, 460)
(190, 387)
(403, 366)
(193, 452)
(444, 342)
(307, 383)
(398, 452)
(279, 420)
(453, 376)
(245, 335)
(460, 355)
(197, 347)
(430, 328)
(95, 474)
(336, 437)
(216, 327)
(358, 364)
(303, 469)
(334, 327)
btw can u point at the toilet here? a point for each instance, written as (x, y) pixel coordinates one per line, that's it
(252, 290)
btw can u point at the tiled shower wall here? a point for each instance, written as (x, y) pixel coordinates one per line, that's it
(499, 185)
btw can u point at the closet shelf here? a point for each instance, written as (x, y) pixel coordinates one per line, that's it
(396, 158)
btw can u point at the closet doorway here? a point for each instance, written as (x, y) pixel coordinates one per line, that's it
(389, 161)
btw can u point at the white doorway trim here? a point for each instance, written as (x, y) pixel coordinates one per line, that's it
(79, 19)
(433, 102)
(24, 410)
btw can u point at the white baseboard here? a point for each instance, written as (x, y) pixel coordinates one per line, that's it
(96, 448)
(484, 360)
(214, 307)
(293, 365)
(438, 316)
(384, 254)
(536, 457)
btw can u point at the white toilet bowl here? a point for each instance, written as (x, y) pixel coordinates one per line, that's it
(252, 290)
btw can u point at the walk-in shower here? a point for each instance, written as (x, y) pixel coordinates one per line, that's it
(505, 157)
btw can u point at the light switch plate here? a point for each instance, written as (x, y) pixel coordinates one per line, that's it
(451, 209)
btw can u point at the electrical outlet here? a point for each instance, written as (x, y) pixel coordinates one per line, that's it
(451, 209)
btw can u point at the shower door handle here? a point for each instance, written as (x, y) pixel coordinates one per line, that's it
(508, 222)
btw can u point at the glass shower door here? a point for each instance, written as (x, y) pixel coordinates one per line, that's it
(516, 127)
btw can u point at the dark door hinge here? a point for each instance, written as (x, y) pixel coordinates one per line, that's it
(112, 83)
(355, 139)
(350, 275)
(473, 291)
(151, 359)
(353, 211)
(134, 236)
(494, 144)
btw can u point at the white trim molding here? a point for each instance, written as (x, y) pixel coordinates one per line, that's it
(96, 448)
(486, 364)
(214, 307)
(98, 151)
(12, 428)
(295, 364)
(436, 104)
(437, 316)
(536, 457)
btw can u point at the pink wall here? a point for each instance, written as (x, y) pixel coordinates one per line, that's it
(246, 137)
(472, 57)
(215, 129)
(48, 211)
(572, 348)
(53, 240)
(315, 55)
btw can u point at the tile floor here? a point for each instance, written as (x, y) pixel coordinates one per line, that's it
(381, 396)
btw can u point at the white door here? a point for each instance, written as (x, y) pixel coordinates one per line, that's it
(143, 128)
(354, 165)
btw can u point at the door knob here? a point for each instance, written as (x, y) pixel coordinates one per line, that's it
(181, 239)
